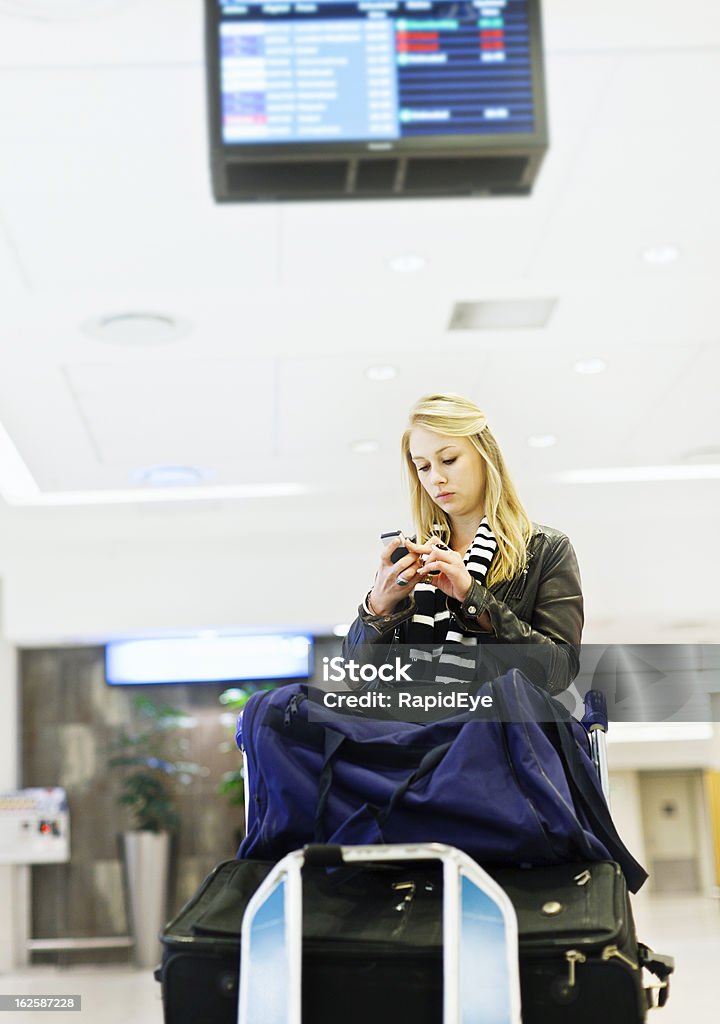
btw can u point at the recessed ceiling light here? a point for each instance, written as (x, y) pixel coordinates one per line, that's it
(364, 446)
(590, 366)
(169, 476)
(659, 255)
(341, 629)
(148, 495)
(640, 474)
(136, 330)
(542, 440)
(406, 264)
(381, 372)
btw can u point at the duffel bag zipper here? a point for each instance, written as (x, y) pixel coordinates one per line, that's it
(292, 709)
(574, 957)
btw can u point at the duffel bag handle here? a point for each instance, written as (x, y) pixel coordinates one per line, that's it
(333, 743)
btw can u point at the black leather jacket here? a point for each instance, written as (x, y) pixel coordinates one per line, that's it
(537, 617)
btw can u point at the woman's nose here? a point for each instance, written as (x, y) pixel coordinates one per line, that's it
(438, 476)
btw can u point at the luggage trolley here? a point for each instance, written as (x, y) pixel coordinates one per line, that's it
(478, 921)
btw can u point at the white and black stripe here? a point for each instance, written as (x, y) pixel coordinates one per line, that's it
(441, 648)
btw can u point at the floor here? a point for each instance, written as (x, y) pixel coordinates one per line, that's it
(687, 928)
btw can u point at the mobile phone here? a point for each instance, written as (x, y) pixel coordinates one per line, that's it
(400, 552)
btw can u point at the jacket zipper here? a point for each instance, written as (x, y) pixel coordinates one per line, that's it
(517, 586)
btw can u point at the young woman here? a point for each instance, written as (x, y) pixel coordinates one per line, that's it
(480, 572)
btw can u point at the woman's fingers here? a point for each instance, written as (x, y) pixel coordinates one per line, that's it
(401, 573)
(434, 567)
(419, 549)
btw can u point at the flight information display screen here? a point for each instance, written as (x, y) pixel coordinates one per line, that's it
(374, 70)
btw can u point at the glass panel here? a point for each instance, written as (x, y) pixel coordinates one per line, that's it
(268, 967)
(485, 994)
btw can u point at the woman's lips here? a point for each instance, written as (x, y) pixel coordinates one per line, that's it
(443, 496)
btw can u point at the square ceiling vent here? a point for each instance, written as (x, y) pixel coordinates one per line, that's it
(502, 315)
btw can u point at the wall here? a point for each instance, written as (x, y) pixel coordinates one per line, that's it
(8, 781)
(69, 720)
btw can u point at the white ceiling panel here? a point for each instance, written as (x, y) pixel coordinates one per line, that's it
(12, 277)
(130, 32)
(174, 411)
(684, 421)
(640, 24)
(104, 183)
(649, 156)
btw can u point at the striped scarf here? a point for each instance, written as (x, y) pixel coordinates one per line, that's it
(441, 652)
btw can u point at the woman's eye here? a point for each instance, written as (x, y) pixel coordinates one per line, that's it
(448, 462)
(423, 469)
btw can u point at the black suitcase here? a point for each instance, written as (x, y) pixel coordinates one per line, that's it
(372, 946)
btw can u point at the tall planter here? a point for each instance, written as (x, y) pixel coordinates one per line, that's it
(147, 868)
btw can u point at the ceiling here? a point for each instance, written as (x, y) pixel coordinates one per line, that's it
(105, 209)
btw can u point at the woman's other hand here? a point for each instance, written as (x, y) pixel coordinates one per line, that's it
(453, 579)
(394, 580)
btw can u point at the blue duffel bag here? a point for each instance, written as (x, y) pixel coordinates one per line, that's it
(518, 788)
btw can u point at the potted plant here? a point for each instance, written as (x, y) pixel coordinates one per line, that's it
(152, 759)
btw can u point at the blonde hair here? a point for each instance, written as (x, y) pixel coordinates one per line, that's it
(457, 416)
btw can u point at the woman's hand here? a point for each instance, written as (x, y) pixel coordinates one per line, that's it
(454, 579)
(387, 592)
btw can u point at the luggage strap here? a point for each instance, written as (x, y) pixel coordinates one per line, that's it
(592, 800)
(373, 754)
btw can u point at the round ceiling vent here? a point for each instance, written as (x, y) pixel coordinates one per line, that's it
(136, 329)
(62, 10)
(169, 476)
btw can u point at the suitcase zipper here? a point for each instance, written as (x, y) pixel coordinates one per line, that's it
(573, 956)
(611, 951)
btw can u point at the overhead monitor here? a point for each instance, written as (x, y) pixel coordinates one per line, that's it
(374, 97)
(217, 659)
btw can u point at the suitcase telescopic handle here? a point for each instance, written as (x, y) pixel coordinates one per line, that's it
(596, 716)
(595, 721)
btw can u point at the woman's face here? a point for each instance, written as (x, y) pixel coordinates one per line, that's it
(451, 470)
